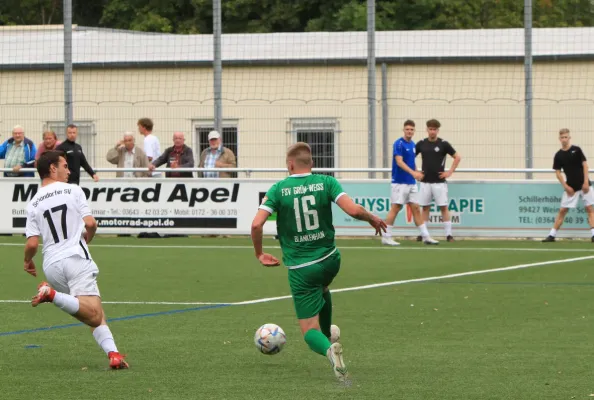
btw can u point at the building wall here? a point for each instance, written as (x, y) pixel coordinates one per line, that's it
(480, 106)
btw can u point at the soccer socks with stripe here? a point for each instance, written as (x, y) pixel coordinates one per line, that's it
(326, 314)
(317, 341)
(447, 225)
(66, 303)
(104, 339)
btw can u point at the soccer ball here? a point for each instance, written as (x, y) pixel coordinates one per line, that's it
(270, 339)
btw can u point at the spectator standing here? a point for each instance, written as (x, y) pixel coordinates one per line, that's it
(50, 142)
(434, 187)
(216, 156)
(177, 156)
(18, 152)
(152, 147)
(127, 155)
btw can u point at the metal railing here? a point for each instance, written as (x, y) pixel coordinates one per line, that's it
(249, 171)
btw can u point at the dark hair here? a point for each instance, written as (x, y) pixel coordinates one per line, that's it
(146, 123)
(433, 123)
(409, 122)
(72, 126)
(46, 160)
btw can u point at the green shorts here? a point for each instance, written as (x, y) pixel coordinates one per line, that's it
(308, 283)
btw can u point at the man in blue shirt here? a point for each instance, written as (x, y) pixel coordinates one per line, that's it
(404, 185)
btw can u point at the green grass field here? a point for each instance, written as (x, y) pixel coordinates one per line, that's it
(517, 334)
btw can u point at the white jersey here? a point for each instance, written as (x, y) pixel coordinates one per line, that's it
(56, 214)
(152, 148)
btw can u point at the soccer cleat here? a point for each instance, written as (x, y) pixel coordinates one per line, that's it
(419, 238)
(592, 239)
(334, 354)
(549, 239)
(334, 334)
(450, 238)
(430, 241)
(389, 242)
(116, 360)
(45, 294)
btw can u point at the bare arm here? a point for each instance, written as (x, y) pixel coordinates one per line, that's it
(449, 173)
(258, 230)
(30, 250)
(359, 212)
(457, 159)
(257, 235)
(561, 180)
(400, 162)
(416, 174)
(91, 227)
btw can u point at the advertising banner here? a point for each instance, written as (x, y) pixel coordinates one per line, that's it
(477, 208)
(226, 207)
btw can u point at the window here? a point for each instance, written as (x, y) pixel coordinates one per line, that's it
(229, 138)
(320, 134)
(86, 137)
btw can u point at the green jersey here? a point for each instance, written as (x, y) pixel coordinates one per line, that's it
(304, 217)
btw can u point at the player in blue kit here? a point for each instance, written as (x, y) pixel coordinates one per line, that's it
(404, 185)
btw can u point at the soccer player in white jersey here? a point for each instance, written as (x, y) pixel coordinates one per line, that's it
(60, 215)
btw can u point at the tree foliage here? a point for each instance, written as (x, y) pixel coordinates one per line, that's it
(259, 16)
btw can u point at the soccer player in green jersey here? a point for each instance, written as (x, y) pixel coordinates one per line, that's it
(303, 203)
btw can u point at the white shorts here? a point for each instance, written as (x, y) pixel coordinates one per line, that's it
(74, 275)
(433, 191)
(571, 202)
(404, 194)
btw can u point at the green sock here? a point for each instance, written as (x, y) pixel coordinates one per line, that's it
(317, 341)
(326, 314)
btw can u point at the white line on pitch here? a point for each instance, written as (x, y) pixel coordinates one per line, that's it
(431, 278)
(375, 248)
(355, 288)
(144, 303)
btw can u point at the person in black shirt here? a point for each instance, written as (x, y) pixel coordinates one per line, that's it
(434, 150)
(572, 161)
(75, 156)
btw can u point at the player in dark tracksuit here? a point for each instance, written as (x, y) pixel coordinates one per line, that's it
(75, 156)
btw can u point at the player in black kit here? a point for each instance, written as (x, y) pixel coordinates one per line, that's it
(434, 150)
(572, 161)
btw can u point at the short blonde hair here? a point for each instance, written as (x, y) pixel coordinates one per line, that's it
(300, 152)
(564, 131)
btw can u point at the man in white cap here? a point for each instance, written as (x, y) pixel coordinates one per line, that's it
(216, 156)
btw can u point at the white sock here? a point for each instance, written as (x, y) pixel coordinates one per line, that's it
(592, 231)
(66, 303)
(553, 232)
(424, 231)
(388, 233)
(104, 338)
(448, 228)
